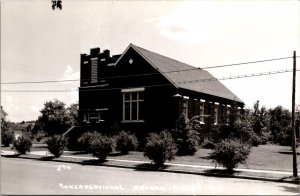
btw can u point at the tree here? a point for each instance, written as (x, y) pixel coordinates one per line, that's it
(259, 118)
(72, 112)
(297, 121)
(54, 117)
(56, 4)
(7, 135)
(4, 124)
(280, 125)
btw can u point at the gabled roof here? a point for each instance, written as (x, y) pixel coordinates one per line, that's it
(177, 73)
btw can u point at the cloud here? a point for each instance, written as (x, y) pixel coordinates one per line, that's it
(151, 20)
(34, 109)
(70, 74)
(238, 23)
(190, 22)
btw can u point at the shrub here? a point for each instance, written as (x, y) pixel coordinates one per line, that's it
(160, 148)
(85, 139)
(208, 144)
(255, 140)
(56, 145)
(239, 130)
(7, 137)
(265, 137)
(186, 136)
(229, 153)
(101, 146)
(22, 144)
(39, 137)
(126, 142)
(73, 136)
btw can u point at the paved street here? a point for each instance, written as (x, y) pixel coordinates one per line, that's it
(22, 176)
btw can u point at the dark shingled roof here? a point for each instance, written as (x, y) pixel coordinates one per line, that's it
(175, 72)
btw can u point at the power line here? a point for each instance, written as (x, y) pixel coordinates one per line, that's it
(250, 62)
(161, 85)
(147, 74)
(40, 82)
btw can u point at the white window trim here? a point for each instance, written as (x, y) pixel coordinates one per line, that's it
(86, 117)
(132, 90)
(186, 97)
(129, 90)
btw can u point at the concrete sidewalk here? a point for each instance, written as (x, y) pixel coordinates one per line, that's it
(265, 175)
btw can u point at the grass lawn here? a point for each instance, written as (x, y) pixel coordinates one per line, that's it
(267, 157)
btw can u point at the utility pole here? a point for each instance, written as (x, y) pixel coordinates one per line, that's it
(295, 172)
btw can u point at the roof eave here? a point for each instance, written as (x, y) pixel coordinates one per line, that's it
(236, 100)
(152, 64)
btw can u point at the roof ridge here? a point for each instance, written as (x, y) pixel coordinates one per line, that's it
(138, 47)
(168, 66)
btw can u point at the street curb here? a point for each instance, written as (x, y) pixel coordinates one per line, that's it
(269, 179)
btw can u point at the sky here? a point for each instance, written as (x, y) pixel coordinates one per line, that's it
(41, 44)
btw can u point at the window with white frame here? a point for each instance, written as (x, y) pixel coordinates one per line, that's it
(216, 115)
(202, 112)
(133, 104)
(94, 117)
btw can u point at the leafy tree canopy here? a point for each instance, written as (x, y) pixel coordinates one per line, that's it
(56, 118)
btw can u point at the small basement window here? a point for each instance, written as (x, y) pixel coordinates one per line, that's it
(94, 117)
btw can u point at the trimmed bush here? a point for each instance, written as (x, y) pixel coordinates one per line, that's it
(208, 144)
(160, 148)
(255, 140)
(56, 145)
(229, 153)
(84, 141)
(22, 144)
(101, 146)
(7, 137)
(126, 142)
